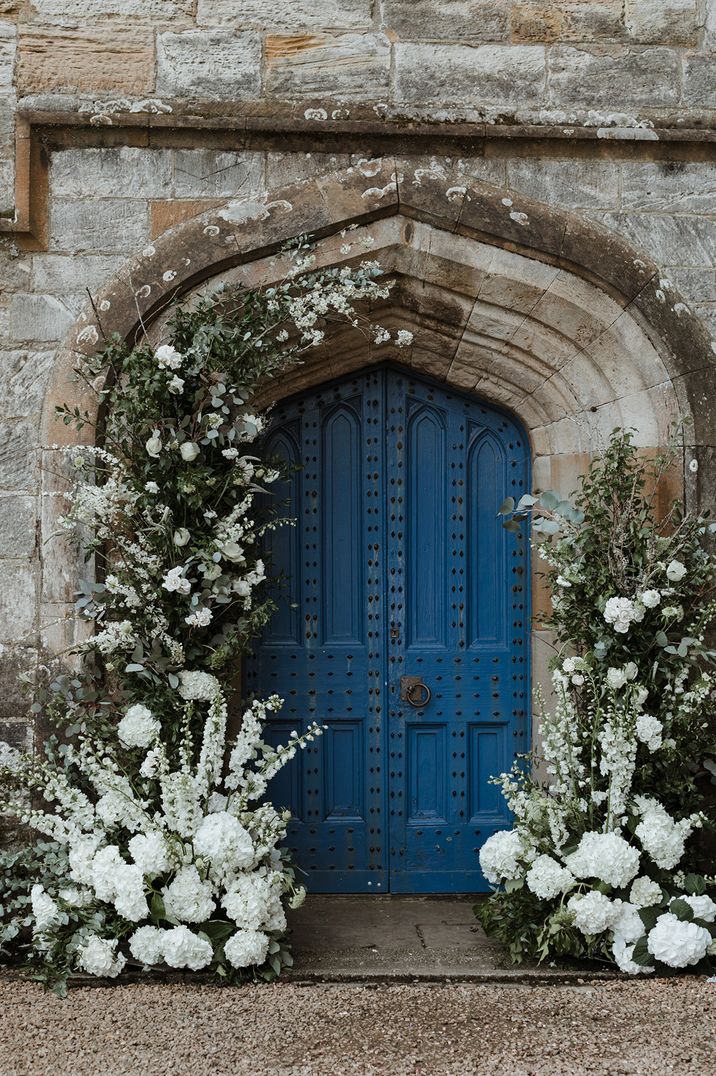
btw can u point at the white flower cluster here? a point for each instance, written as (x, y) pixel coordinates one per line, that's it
(621, 613)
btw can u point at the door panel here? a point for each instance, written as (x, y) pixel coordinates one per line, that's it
(405, 570)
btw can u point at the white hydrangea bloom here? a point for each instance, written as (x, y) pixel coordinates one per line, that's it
(644, 892)
(500, 856)
(188, 898)
(99, 956)
(150, 852)
(139, 727)
(81, 857)
(249, 901)
(197, 686)
(130, 901)
(103, 872)
(246, 948)
(592, 912)
(649, 731)
(627, 922)
(702, 906)
(222, 839)
(147, 945)
(45, 912)
(605, 856)
(182, 948)
(622, 953)
(678, 944)
(547, 878)
(661, 837)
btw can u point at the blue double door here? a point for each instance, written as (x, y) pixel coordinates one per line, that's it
(402, 626)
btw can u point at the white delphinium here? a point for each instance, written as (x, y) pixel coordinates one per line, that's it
(547, 878)
(592, 912)
(676, 943)
(605, 856)
(99, 956)
(246, 948)
(182, 948)
(644, 892)
(188, 898)
(139, 727)
(502, 855)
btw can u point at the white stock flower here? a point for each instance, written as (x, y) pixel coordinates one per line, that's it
(592, 912)
(675, 571)
(189, 451)
(98, 956)
(150, 852)
(676, 943)
(605, 856)
(223, 840)
(181, 536)
(649, 730)
(246, 948)
(147, 945)
(546, 878)
(644, 892)
(168, 357)
(154, 445)
(187, 898)
(650, 599)
(182, 948)
(500, 856)
(174, 581)
(44, 910)
(139, 727)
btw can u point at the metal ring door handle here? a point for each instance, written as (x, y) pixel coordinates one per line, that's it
(423, 693)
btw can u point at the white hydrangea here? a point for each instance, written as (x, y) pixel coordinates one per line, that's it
(702, 907)
(147, 945)
(547, 878)
(675, 571)
(500, 856)
(246, 948)
(188, 898)
(605, 856)
(249, 901)
(644, 892)
(223, 840)
(130, 901)
(649, 731)
(622, 953)
(44, 910)
(81, 858)
(103, 872)
(99, 956)
(197, 686)
(592, 912)
(676, 943)
(627, 923)
(150, 852)
(661, 837)
(139, 727)
(622, 613)
(182, 948)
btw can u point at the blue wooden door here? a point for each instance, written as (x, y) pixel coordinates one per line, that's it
(399, 583)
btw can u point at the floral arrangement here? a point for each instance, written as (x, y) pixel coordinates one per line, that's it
(601, 862)
(160, 847)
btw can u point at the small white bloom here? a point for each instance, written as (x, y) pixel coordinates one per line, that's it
(230, 453)
(650, 598)
(649, 730)
(189, 451)
(45, 912)
(675, 571)
(168, 357)
(199, 619)
(693, 466)
(561, 581)
(403, 338)
(151, 487)
(176, 386)
(174, 581)
(154, 445)
(196, 685)
(616, 678)
(139, 727)
(181, 536)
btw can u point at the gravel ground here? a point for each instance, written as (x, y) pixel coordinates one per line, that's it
(660, 1027)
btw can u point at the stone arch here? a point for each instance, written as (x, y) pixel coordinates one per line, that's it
(540, 311)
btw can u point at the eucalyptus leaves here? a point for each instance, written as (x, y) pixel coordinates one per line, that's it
(601, 860)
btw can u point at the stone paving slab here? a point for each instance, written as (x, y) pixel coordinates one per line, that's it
(401, 939)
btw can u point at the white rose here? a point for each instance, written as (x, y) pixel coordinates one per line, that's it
(181, 536)
(630, 670)
(616, 678)
(232, 551)
(675, 571)
(176, 386)
(168, 357)
(154, 445)
(650, 598)
(189, 451)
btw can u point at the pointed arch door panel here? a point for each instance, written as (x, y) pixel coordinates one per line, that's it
(397, 572)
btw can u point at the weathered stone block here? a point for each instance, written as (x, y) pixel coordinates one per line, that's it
(669, 186)
(98, 59)
(167, 214)
(111, 172)
(696, 285)
(16, 733)
(334, 65)
(547, 21)
(8, 35)
(285, 168)
(18, 585)
(667, 22)
(700, 79)
(285, 14)
(73, 11)
(614, 78)
(65, 274)
(18, 455)
(105, 225)
(39, 317)
(209, 65)
(18, 524)
(574, 184)
(208, 173)
(677, 240)
(23, 380)
(435, 20)
(484, 74)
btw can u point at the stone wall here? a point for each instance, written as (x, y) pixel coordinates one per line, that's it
(134, 116)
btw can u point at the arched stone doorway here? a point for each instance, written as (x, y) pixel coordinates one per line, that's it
(540, 312)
